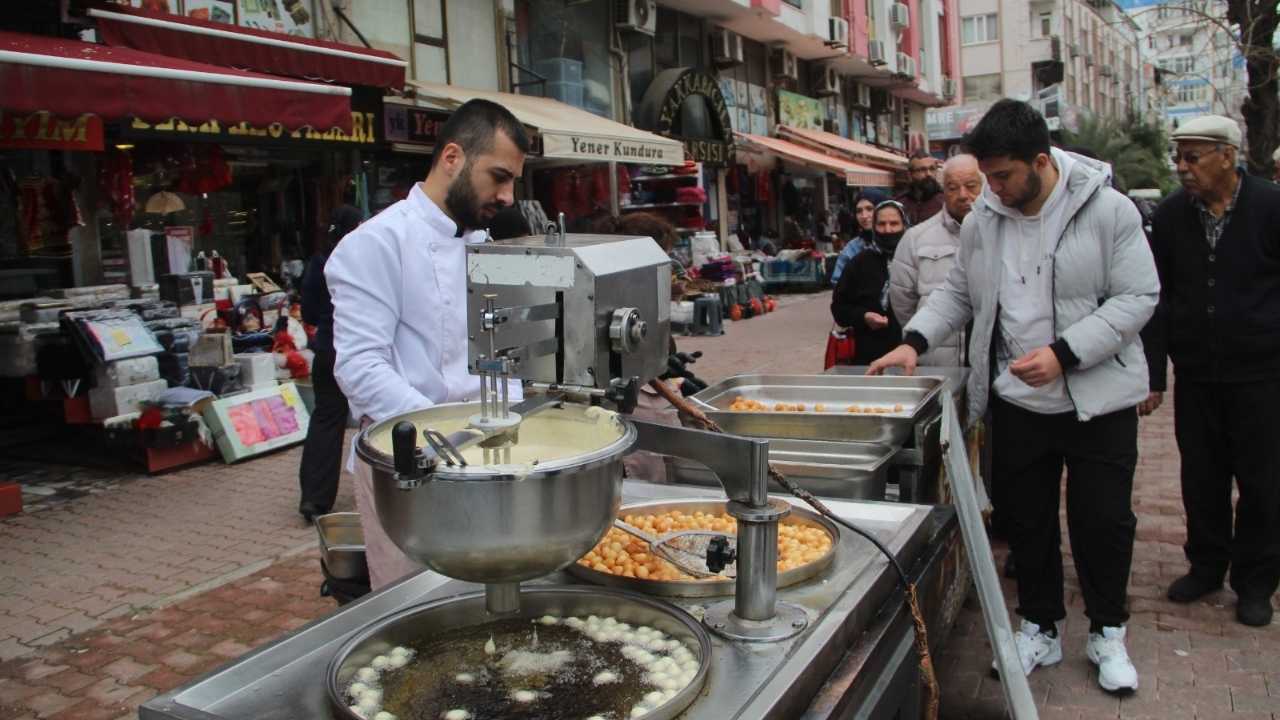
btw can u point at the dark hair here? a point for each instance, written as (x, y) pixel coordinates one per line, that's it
(920, 154)
(508, 223)
(1010, 128)
(643, 224)
(473, 127)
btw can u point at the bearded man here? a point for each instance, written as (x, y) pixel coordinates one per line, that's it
(399, 287)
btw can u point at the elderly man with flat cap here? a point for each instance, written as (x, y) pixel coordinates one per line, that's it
(1217, 249)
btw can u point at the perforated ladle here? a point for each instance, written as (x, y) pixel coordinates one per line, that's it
(700, 553)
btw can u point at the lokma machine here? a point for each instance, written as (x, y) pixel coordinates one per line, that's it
(498, 499)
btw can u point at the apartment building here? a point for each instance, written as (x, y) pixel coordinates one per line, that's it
(1069, 57)
(1189, 44)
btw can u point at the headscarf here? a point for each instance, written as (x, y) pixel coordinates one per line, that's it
(886, 245)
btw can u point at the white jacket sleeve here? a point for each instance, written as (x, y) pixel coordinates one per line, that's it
(904, 291)
(364, 277)
(948, 308)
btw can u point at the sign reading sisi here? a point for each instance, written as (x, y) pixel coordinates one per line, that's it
(42, 130)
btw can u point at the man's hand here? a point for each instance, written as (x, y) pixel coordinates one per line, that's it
(903, 356)
(875, 321)
(1037, 368)
(1151, 404)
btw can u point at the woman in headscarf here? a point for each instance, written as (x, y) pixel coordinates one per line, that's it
(861, 299)
(863, 207)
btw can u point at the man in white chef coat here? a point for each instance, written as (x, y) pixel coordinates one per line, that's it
(399, 288)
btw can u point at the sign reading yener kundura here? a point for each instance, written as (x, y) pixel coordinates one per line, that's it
(585, 146)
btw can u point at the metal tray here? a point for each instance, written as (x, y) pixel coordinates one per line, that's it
(708, 588)
(342, 545)
(918, 396)
(847, 470)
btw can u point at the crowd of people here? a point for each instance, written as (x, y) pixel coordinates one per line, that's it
(1067, 304)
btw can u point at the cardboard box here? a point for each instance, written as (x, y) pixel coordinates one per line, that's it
(106, 402)
(195, 288)
(132, 371)
(256, 422)
(257, 370)
(211, 350)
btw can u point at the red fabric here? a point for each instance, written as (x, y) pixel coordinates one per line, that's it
(239, 47)
(32, 87)
(115, 178)
(839, 349)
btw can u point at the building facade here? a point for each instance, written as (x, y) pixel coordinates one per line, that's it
(1189, 44)
(1071, 58)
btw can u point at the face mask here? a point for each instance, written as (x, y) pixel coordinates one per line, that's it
(888, 241)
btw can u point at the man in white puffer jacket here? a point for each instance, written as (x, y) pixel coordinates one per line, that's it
(1057, 277)
(927, 252)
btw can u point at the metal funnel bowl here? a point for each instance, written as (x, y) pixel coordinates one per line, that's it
(505, 523)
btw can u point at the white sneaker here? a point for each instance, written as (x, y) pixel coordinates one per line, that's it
(1116, 672)
(1036, 648)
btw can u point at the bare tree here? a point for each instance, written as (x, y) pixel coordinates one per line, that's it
(1256, 21)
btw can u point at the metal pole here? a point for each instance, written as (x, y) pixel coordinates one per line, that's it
(756, 590)
(614, 202)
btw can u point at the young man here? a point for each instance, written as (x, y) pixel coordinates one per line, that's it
(1219, 259)
(399, 287)
(927, 253)
(923, 197)
(1058, 279)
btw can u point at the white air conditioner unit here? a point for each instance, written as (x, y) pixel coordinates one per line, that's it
(862, 95)
(783, 64)
(899, 15)
(906, 65)
(637, 15)
(948, 87)
(726, 47)
(875, 52)
(828, 81)
(838, 31)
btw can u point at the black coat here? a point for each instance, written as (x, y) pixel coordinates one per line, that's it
(859, 292)
(317, 306)
(1219, 311)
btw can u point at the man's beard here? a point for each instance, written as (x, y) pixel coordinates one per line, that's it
(463, 204)
(927, 187)
(1034, 185)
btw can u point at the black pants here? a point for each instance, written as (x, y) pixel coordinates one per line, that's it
(1029, 451)
(1228, 430)
(322, 451)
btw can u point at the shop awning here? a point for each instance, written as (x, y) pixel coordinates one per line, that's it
(567, 132)
(248, 48)
(854, 174)
(860, 152)
(66, 77)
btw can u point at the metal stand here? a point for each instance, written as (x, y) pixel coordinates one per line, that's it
(742, 466)
(502, 598)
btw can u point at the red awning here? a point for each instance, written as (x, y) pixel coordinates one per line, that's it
(854, 174)
(860, 152)
(248, 48)
(66, 77)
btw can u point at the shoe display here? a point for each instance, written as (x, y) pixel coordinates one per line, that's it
(1192, 587)
(1254, 611)
(1116, 673)
(1036, 647)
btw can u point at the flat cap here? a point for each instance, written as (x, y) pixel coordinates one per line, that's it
(1209, 128)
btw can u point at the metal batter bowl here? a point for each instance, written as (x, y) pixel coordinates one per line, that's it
(423, 621)
(491, 524)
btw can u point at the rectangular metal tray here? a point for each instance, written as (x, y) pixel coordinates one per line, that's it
(854, 471)
(342, 545)
(918, 395)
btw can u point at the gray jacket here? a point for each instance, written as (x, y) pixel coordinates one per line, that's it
(1104, 290)
(920, 266)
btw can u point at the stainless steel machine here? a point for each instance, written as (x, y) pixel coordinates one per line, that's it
(496, 493)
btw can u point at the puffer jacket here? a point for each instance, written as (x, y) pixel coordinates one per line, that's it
(1104, 291)
(920, 266)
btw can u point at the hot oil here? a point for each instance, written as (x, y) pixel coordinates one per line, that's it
(427, 688)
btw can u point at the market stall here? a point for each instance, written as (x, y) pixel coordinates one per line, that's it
(523, 515)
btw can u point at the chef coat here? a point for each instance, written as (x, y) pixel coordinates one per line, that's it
(399, 288)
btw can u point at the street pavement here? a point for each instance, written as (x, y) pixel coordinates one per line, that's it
(140, 584)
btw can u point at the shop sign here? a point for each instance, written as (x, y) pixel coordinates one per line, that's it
(592, 147)
(799, 111)
(42, 130)
(363, 127)
(402, 123)
(951, 123)
(713, 151)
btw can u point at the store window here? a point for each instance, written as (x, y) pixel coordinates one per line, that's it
(1044, 23)
(430, 44)
(977, 29)
(680, 41)
(567, 44)
(983, 87)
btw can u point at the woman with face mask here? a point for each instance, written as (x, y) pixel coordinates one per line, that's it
(861, 298)
(863, 208)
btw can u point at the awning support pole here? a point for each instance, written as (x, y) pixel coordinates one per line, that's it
(614, 205)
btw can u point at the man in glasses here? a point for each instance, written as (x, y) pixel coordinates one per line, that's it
(1056, 275)
(1217, 249)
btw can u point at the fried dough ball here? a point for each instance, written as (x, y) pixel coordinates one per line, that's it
(621, 554)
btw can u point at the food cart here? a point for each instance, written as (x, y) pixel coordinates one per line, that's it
(581, 320)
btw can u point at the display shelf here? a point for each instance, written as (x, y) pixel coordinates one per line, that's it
(650, 206)
(671, 176)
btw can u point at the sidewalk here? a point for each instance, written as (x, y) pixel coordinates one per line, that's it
(111, 598)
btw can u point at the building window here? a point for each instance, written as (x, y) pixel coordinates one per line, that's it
(977, 29)
(1184, 39)
(983, 87)
(1045, 24)
(568, 46)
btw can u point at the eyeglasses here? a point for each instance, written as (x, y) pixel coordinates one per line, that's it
(1191, 157)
